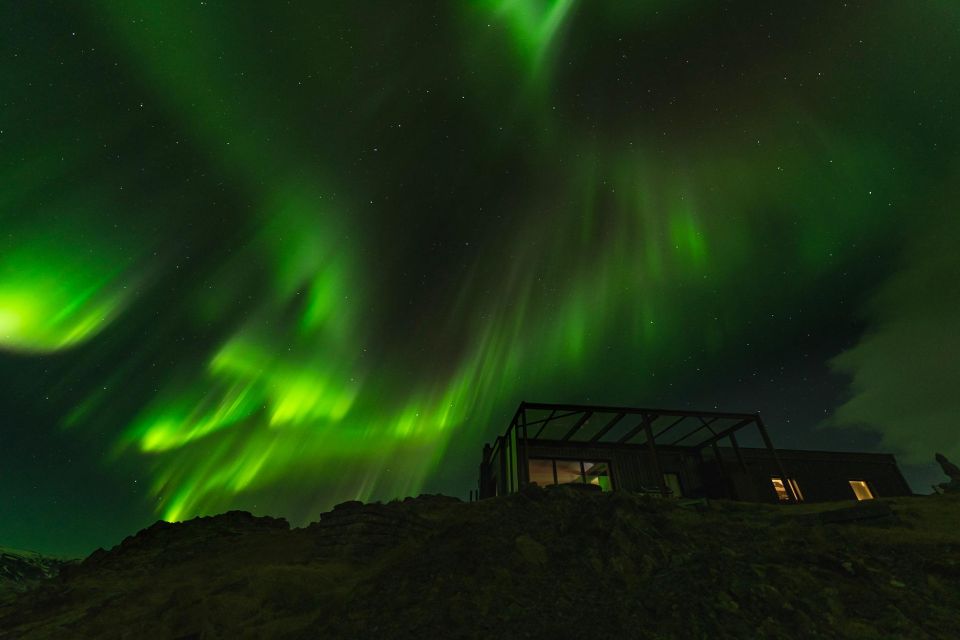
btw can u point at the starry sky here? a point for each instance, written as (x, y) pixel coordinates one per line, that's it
(275, 256)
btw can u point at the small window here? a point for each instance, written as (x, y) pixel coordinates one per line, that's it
(796, 489)
(778, 486)
(861, 489)
(785, 495)
(672, 480)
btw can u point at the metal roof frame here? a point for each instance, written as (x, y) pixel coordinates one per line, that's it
(516, 440)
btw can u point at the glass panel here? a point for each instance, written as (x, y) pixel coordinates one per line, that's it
(557, 427)
(796, 489)
(861, 490)
(598, 473)
(672, 481)
(541, 472)
(622, 428)
(781, 490)
(568, 471)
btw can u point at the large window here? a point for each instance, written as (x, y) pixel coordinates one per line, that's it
(541, 472)
(861, 489)
(547, 471)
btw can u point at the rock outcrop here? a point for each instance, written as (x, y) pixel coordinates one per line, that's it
(21, 570)
(543, 563)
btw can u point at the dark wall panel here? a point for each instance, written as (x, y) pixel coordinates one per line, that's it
(821, 475)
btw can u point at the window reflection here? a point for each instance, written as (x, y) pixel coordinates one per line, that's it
(781, 490)
(598, 473)
(782, 494)
(796, 489)
(568, 471)
(548, 471)
(541, 472)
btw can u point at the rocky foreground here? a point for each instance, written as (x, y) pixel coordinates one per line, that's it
(555, 563)
(22, 570)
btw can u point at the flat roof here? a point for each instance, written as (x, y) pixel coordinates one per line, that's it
(587, 424)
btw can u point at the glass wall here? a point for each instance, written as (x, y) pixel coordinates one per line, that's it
(598, 473)
(548, 471)
(541, 472)
(568, 471)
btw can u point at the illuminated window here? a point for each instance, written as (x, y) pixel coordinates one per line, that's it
(569, 471)
(796, 489)
(672, 480)
(546, 472)
(861, 490)
(783, 495)
(541, 472)
(778, 486)
(598, 473)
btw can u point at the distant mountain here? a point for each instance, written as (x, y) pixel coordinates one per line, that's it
(21, 570)
(550, 563)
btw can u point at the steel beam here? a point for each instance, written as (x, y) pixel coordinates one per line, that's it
(776, 458)
(658, 469)
(576, 426)
(579, 408)
(724, 474)
(610, 425)
(553, 416)
(637, 429)
(544, 426)
(728, 431)
(670, 426)
(705, 425)
(736, 450)
(524, 461)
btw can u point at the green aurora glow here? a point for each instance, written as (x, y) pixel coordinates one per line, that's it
(296, 255)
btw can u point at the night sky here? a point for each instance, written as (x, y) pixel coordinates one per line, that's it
(275, 256)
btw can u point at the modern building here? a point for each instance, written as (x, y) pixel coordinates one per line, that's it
(675, 453)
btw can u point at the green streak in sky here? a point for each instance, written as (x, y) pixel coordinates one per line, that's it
(341, 346)
(53, 297)
(534, 24)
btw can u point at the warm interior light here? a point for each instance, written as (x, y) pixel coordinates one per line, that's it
(781, 490)
(541, 472)
(861, 490)
(796, 489)
(544, 472)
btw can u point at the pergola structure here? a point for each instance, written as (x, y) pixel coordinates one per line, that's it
(595, 425)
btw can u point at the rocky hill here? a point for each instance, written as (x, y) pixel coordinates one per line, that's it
(22, 570)
(545, 563)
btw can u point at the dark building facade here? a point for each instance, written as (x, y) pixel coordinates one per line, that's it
(675, 453)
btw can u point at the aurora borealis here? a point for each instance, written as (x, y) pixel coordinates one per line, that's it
(277, 256)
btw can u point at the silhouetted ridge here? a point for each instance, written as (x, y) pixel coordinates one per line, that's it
(541, 563)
